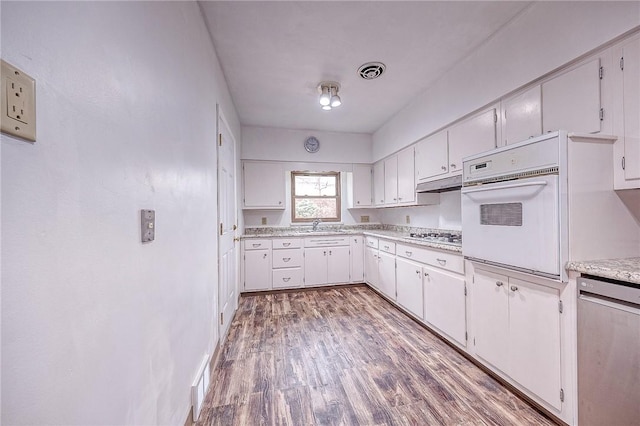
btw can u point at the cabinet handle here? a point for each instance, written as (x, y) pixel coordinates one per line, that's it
(329, 252)
(286, 259)
(453, 165)
(256, 245)
(514, 288)
(426, 275)
(264, 256)
(499, 283)
(279, 202)
(418, 272)
(442, 261)
(286, 280)
(286, 244)
(386, 247)
(382, 201)
(395, 199)
(444, 168)
(325, 252)
(409, 253)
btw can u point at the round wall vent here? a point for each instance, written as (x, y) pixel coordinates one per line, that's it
(371, 70)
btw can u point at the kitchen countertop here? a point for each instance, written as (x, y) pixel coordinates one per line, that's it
(399, 236)
(627, 270)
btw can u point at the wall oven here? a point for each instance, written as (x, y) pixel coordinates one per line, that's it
(512, 207)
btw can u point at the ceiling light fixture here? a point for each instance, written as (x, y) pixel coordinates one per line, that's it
(329, 97)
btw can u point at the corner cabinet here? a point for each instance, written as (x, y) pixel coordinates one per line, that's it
(378, 183)
(263, 185)
(362, 186)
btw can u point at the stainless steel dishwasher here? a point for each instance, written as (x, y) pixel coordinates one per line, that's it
(608, 353)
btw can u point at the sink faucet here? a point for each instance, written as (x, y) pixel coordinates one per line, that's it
(316, 222)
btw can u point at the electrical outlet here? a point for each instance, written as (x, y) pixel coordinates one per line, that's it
(18, 99)
(148, 225)
(364, 219)
(408, 219)
(264, 220)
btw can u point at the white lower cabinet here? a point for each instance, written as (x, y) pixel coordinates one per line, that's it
(517, 330)
(445, 303)
(287, 263)
(371, 266)
(326, 261)
(409, 286)
(257, 270)
(356, 245)
(387, 274)
(338, 265)
(315, 266)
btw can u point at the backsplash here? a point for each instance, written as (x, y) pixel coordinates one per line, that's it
(364, 227)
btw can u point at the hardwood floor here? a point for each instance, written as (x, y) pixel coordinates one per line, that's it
(345, 356)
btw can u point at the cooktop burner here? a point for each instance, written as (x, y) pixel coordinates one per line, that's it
(439, 237)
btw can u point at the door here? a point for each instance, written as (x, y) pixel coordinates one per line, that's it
(409, 286)
(445, 306)
(357, 259)
(571, 101)
(378, 183)
(227, 220)
(431, 157)
(362, 194)
(534, 339)
(391, 180)
(315, 266)
(473, 136)
(490, 312)
(522, 116)
(257, 270)
(371, 266)
(338, 265)
(406, 176)
(387, 274)
(514, 223)
(631, 101)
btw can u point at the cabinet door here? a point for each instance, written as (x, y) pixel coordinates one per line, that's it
(490, 313)
(406, 176)
(571, 101)
(264, 185)
(371, 266)
(339, 264)
(391, 180)
(257, 270)
(445, 303)
(387, 274)
(378, 183)
(361, 185)
(357, 258)
(431, 156)
(534, 339)
(315, 266)
(409, 286)
(522, 116)
(472, 136)
(631, 105)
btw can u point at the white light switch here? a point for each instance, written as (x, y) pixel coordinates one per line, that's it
(148, 225)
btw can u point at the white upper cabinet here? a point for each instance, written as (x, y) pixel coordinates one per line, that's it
(571, 101)
(472, 136)
(391, 180)
(362, 185)
(406, 176)
(630, 67)
(378, 183)
(264, 185)
(431, 157)
(522, 116)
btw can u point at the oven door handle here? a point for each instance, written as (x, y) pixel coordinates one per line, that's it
(513, 185)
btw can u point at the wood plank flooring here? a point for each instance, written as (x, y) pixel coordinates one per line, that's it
(345, 356)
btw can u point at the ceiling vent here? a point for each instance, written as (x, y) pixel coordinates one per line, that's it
(371, 70)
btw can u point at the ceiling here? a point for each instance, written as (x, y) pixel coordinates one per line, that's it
(274, 54)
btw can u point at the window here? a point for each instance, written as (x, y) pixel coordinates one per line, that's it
(315, 196)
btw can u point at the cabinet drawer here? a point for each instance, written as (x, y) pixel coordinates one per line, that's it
(288, 258)
(255, 244)
(371, 242)
(448, 261)
(326, 241)
(291, 277)
(387, 246)
(286, 243)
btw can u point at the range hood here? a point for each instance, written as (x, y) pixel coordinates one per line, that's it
(450, 183)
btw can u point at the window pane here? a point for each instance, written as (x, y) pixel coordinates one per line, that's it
(311, 208)
(315, 186)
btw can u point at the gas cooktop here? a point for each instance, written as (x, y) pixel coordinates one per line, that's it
(438, 237)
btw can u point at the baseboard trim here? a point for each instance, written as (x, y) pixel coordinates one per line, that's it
(301, 289)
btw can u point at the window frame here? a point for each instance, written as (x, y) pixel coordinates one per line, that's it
(338, 197)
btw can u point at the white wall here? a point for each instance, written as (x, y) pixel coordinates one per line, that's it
(262, 143)
(446, 215)
(544, 37)
(96, 327)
